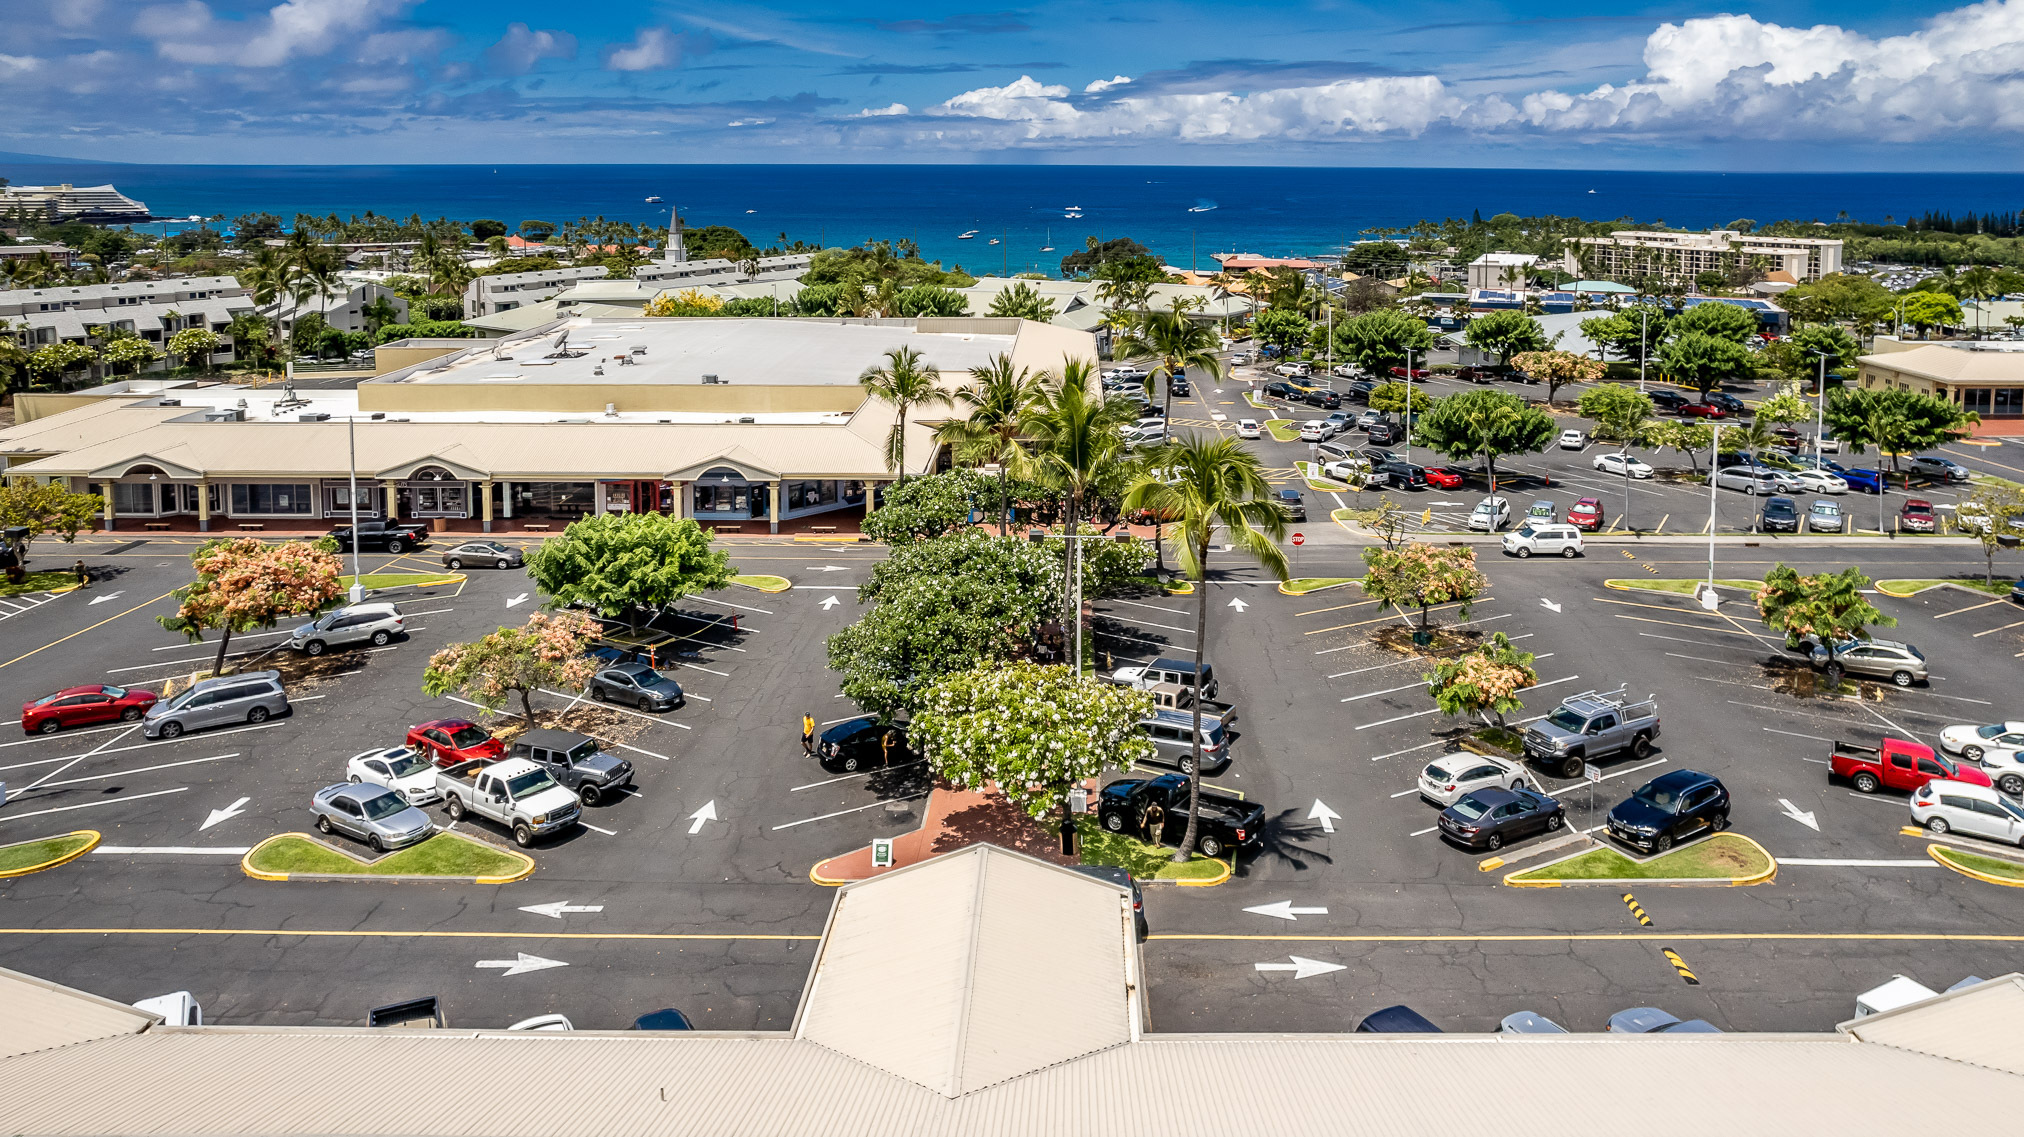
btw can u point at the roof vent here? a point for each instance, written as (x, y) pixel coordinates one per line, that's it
(170, 403)
(313, 416)
(611, 410)
(748, 418)
(378, 415)
(225, 414)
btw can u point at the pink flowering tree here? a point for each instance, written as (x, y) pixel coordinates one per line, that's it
(1420, 575)
(1486, 679)
(547, 651)
(1559, 368)
(243, 584)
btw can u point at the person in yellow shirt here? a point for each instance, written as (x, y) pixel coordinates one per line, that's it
(808, 734)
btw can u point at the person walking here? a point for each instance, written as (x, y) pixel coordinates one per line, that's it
(808, 734)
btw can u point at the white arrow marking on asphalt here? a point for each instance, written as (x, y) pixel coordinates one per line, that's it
(1325, 815)
(829, 603)
(1237, 602)
(1549, 605)
(1302, 967)
(108, 596)
(1803, 817)
(524, 963)
(827, 568)
(707, 813)
(555, 908)
(1284, 910)
(225, 814)
(520, 599)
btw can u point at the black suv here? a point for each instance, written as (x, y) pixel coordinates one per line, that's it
(1665, 400)
(1359, 390)
(1781, 515)
(1177, 386)
(862, 742)
(1293, 504)
(1670, 808)
(1405, 475)
(1386, 431)
(1728, 402)
(393, 536)
(1322, 397)
(1281, 390)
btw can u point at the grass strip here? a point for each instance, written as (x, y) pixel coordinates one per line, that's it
(1722, 856)
(1285, 430)
(1902, 588)
(1997, 867)
(445, 854)
(43, 851)
(43, 581)
(1301, 585)
(1257, 401)
(1679, 587)
(396, 579)
(1144, 861)
(762, 582)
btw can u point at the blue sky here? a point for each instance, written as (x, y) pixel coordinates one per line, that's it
(1578, 83)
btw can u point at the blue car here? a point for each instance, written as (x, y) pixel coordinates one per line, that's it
(1865, 480)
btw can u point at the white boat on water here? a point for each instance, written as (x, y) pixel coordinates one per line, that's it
(966, 236)
(993, 241)
(655, 200)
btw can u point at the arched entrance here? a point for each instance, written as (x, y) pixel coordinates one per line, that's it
(722, 493)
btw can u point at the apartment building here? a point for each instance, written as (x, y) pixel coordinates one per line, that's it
(151, 309)
(1679, 257)
(505, 291)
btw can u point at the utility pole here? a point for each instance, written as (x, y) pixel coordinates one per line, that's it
(351, 439)
(1643, 314)
(1715, 451)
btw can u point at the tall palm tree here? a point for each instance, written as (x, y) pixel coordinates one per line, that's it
(906, 382)
(989, 432)
(1209, 484)
(1077, 435)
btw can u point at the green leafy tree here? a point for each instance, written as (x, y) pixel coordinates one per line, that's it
(546, 652)
(244, 585)
(925, 507)
(1485, 679)
(53, 361)
(1896, 422)
(200, 342)
(1815, 340)
(1390, 398)
(1378, 341)
(1632, 333)
(1032, 730)
(1829, 605)
(932, 300)
(1077, 440)
(1281, 328)
(1505, 334)
(13, 361)
(129, 353)
(1859, 300)
(1689, 438)
(1721, 321)
(1484, 424)
(903, 382)
(1993, 512)
(1928, 310)
(1096, 253)
(381, 312)
(1620, 413)
(1420, 575)
(484, 229)
(42, 509)
(1559, 368)
(628, 563)
(1783, 408)
(1703, 361)
(1209, 486)
(1022, 302)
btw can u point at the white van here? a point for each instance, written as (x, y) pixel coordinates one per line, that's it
(1943, 805)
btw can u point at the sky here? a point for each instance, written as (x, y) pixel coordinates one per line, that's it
(1576, 83)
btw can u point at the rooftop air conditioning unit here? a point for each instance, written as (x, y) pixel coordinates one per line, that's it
(611, 410)
(313, 416)
(748, 418)
(225, 414)
(711, 379)
(378, 415)
(170, 403)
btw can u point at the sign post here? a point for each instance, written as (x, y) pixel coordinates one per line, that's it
(881, 852)
(1593, 774)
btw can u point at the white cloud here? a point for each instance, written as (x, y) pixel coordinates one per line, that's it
(188, 33)
(522, 47)
(18, 64)
(1097, 86)
(868, 112)
(1408, 104)
(653, 50)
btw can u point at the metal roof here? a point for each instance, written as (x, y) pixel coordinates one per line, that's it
(40, 1015)
(1979, 1025)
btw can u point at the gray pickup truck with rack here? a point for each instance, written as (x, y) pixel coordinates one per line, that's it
(1589, 727)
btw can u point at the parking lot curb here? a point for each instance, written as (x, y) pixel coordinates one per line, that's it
(785, 584)
(1227, 871)
(1938, 852)
(1729, 881)
(55, 861)
(246, 866)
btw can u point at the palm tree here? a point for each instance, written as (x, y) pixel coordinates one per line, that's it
(1209, 484)
(905, 382)
(989, 433)
(1077, 437)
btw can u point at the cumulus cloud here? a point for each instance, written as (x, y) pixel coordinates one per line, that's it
(1100, 85)
(18, 64)
(189, 33)
(654, 49)
(868, 112)
(522, 47)
(1374, 105)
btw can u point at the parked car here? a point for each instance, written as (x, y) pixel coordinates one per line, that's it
(862, 743)
(1779, 515)
(1945, 806)
(1145, 677)
(1751, 480)
(1969, 740)
(1418, 373)
(1321, 397)
(482, 553)
(1916, 516)
(635, 684)
(1239, 357)
(398, 768)
(1895, 764)
(1824, 516)
(225, 700)
(1617, 463)
(2005, 768)
(1864, 479)
(1528, 1022)
(1177, 386)
(1810, 462)
(83, 706)
(1449, 778)
(1589, 727)
(1248, 428)
(1279, 389)
(1651, 1020)
(1359, 390)
(1537, 536)
(1110, 874)
(1156, 809)
(450, 741)
(1573, 439)
(1819, 481)
(1787, 437)
(1492, 818)
(1172, 735)
(1400, 1019)
(1442, 478)
(1670, 808)
(1665, 400)
(1126, 373)
(392, 536)
(1700, 410)
(1315, 430)
(1541, 509)
(376, 815)
(514, 793)
(1293, 370)
(1728, 402)
(1901, 663)
(376, 624)
(1347, 469)
(1294, 505)
(1378, 456)
(1387, 431)
(1340, 422)
(1940, 469)
(1973, 517)
(1585, 515)
(574, 760)
(1405, 476)
(1490, 514)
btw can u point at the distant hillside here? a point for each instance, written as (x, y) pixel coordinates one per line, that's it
(48, 160)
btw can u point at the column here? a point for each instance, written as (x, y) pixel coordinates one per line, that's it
(773, 505)
(203, 506)
(393, 500)
(870, 497)
(105, 488)
(506, 500)
(681, 499)
(485, 502)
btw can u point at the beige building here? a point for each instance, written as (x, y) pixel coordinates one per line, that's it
(744, 424)
(1679, 257)
(1984, 378)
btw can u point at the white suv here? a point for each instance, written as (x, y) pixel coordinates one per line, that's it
(1543, 537)
(1942, 805)
(359, 623)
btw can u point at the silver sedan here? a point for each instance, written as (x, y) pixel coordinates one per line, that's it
(1447, 779)
(376, 815)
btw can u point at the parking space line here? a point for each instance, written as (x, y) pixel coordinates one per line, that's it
(89, 804)
(1796, 734)
(1993, 631)
(700, 667)
(1386, 691)
(63, 734)
(1677, 639)
(1409, 750)
(235, 635)
(1873, 797)
(859, 774)
(575, 699)
(1382, 619)
(597, 828)
(1400, 718)
(150, 745)
(728, 604)
(81, 631)
(1922, 862)
(1972, 608)
(1167, 627)
(175, 850)
(847, 718)
(1338, 608)
(1689, 627)
(1123, 636)
(127, 773)
(1697, 658)
(853, 809)
(1575, 785)
(1156, 607)
(1423, 832)
(1403, 793)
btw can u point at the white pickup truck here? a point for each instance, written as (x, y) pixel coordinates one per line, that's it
(515, 792)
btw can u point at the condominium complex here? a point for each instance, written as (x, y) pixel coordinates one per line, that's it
(1679, 257)
(151, 309)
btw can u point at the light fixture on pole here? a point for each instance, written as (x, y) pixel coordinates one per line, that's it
(1819, 410)
(1643, 316)
(1409, 406)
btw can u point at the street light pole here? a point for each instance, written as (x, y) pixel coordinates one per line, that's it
(1643, 315)
(1073, 560)
(1715, 450)
(351, 439)
(1819, 409)
(1409, 408)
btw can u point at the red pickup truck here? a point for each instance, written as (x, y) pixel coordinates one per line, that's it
(1896, 764)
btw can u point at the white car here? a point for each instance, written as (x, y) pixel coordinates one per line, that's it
(1573, 439)
(1448, 778)
(1237, 357)
(400, 769)
(1248, 428)
(1491, 514)
(1825, 517)
(1819, 481)
(1292, 370)
(1124, 373)
(1754, 480)
(1536, 536)
(1971, 741)
(1618, 463)
(1944, 805)
(1316, 430)
(1347, 469)
(2006, 769)
(1344, 371)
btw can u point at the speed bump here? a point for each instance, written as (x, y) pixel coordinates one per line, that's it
(1636, 910)
(1680, 965)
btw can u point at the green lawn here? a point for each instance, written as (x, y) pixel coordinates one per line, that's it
(445, 854)
(1722, 856)
(1285, 430)
(1305, 584)
(1907, 587)
(762, 582)
(1987, 866)
(1680, 587)
(38, 582)
(396, 579)
(1257, 401)
(1146, 862)
(27, 854)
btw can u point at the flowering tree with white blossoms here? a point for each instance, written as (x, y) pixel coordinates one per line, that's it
(1033, 729)
(1486, 679)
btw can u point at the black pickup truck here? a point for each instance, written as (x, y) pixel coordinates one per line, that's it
(1156, 809)
(393, 536)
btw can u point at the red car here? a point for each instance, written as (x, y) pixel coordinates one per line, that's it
(82, 706)
(1702, 410)
(1896, 765)
(1917, 516)
(1585, 514)
(1441, 477)
(1418, 373)
(450, 741)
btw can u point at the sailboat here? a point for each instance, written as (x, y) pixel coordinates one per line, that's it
(1049, 246)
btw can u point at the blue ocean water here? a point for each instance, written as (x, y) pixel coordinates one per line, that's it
(1182, 213)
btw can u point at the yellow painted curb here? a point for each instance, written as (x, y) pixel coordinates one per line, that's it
(823, 880)
(1306, 591)
(1207, 883)
(64, 589)
(1911, 831)
(1938, 853)
(851, 538)
(1758, 878)
(246, 865)
(1491, 864)
(1930, 587)
(62, 860)
(526, 870)
(784, 585)
(1532, 883)
(246, 862)
(1187, 588)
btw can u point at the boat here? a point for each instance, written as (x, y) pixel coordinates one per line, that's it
(1071, 207)
(751, 211)
(993, 241)
(1071, 216)
(966, 236)
(1591, 191)
(655, 200)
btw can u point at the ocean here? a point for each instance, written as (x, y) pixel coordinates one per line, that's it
(1183, 213)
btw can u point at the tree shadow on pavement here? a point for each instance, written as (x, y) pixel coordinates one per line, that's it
(1291, 839)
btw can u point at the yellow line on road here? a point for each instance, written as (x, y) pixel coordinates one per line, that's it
(81, 631)
(1562, 937)
(399, 935)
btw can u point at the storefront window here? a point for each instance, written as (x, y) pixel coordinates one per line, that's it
(283, 497)
(724, 499)
(133, 497)
(553, 499)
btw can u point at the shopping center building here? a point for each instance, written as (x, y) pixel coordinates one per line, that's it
(746, 424)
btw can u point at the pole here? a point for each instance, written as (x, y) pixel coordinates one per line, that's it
(1715, 450)
(1643, 314)
(351, 439)
(1409, 411)
(1075, 559)
(1820, 410)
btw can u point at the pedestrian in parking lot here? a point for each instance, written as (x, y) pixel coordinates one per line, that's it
(886, 747)
(808, 734)
(83, 574)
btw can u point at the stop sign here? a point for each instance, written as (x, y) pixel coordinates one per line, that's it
(1300, 538)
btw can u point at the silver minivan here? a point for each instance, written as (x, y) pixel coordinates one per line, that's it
(375, 624)
(228, 699)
